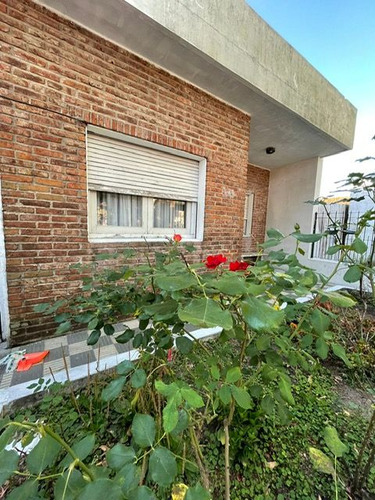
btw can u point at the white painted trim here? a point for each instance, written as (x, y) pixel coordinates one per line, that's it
(4, 305)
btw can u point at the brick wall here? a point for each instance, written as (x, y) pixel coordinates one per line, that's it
(258, 184)
(56, 79)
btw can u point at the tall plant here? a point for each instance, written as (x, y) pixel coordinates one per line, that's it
(260, 313)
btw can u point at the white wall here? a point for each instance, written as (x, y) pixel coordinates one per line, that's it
(290, 187)
(4, 311)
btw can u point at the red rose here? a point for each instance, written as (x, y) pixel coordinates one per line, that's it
(238, 266)
(177, 237)
(213, 261)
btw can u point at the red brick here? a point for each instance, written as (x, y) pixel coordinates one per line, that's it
(50, 71)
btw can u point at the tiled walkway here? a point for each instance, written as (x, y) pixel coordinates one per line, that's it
(80, 359)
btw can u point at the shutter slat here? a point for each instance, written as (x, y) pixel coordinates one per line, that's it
(116, 166)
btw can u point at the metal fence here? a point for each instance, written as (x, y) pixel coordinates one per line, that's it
(340, 227)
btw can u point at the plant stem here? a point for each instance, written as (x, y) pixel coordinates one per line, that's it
(227, 423)
(46, 429)
(368, 466)
(199, 457)
(365, 441)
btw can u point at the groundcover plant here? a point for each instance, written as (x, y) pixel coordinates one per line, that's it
(161, 452)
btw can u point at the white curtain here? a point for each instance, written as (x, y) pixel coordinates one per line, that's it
(170, 214)
(119, 210)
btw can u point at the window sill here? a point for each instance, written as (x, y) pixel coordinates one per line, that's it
(135, 239)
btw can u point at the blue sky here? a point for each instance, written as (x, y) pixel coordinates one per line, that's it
(338, 39)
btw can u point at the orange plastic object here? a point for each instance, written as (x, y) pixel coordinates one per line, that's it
(29, 360)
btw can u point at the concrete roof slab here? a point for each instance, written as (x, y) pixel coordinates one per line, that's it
(225, 48)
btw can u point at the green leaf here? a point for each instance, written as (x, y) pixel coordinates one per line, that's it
(174, 283)
(272, 242)
(242, 397)
(113, 389)
(263, 342)
(143, 430)
(128, 478)
(230, 285)
(120, 455)
(260, 316)
(319, 321)
(41, 308)
(6, 436)
(268, 405)
(93, 337)
(43, 455)
(166, 390)
(233, 375)
(307, 238)
(27, 491)
(225, 394)
(125, 367)
(192, 397)
(321, 348)
(64, 327)
(139, 378)
(253, 289)
(334, 249)
(215, 372)
(332, 440)
(85, 317)
(256, 390)
(306, 341)
(358, 246)
(274, 233)
(82, 449)
(108, 329)
(170, 417)
(60, 318)
(197, 492)
(353, 274)
(8, 464)
(69, 485)
(182, 424)
(142, 493)
(321, 462)
(206, 313)
(339, 351)
(184, 345)
(162, 466)
(162, 310)
(93, 323)
(125, 337)
(101, 488)
(285, 391)
(339, 300)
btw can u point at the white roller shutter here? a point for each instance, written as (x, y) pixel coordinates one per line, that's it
(120, 167)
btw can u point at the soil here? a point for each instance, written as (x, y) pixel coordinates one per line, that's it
(353, 399)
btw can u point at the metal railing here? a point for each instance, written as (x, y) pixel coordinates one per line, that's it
(340, 227)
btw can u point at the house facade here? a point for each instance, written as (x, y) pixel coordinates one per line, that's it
(119, 124)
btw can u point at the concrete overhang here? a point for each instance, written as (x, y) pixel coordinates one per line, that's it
(225, 48)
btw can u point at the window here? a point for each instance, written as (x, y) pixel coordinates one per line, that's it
(248, 215)
(138, 189)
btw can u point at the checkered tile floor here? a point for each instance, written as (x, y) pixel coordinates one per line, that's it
(79, 358)
(72, 347)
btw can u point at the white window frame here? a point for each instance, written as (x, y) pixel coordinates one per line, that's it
(194, 214)
(248, 214)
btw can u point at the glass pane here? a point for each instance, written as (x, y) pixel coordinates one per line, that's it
(119, 210)
(170, 214)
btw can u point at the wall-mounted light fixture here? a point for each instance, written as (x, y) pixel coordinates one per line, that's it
(270, 150)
